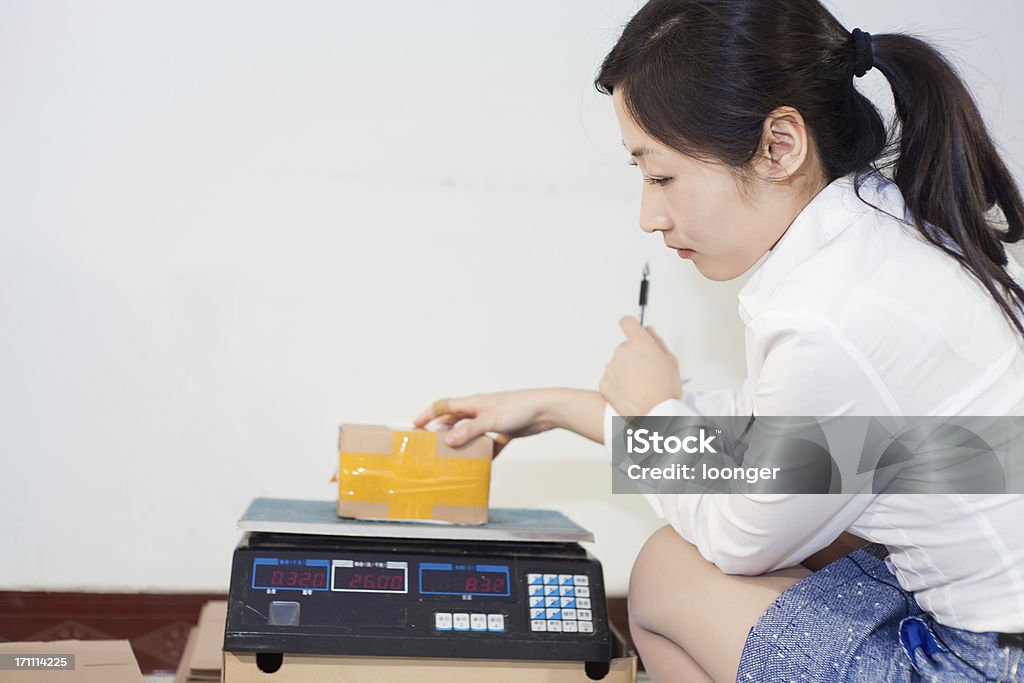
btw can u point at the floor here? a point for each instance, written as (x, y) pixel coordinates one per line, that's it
(643, 678)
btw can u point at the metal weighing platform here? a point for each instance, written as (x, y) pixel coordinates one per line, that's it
(305, 582)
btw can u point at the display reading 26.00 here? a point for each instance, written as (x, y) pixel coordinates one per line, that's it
(369, 579)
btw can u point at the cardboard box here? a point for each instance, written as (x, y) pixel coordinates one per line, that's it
(96, 661)
(243, 668)
(412, 475)
(203, 655)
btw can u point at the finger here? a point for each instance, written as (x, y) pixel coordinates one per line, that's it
(657, 338)
(436, 409)
(450, 419)
(423, 418)
(439, 407)
(500, 441)
(465, 431)
(457, 407)
(630, 326)
(462, 406)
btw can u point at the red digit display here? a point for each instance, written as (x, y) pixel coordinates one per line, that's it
(371, 579)
(299, 577)
(480, 581)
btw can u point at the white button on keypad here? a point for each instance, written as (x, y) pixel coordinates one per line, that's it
(559, 603)
(495, 622)
(460, 621)
(443, 621)
(478, 622)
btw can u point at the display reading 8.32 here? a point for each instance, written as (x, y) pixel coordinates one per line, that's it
(453, 579)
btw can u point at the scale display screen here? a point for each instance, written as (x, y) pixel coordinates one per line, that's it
(369, 579)
(455, 579)
(294, 575)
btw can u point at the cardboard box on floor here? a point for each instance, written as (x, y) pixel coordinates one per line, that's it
(388, 474)
(96, 661)
(242, 668)
(203, 655)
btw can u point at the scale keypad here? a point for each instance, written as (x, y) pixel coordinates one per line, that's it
(560, 603)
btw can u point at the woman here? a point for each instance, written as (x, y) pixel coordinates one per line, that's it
(877, 297)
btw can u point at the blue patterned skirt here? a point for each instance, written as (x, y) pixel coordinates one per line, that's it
(851, 621)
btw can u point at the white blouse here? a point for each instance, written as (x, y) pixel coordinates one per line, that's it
(854, 313)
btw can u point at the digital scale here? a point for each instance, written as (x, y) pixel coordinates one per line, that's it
(521, 587)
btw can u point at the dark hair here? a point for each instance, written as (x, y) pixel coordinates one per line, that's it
(701, 76)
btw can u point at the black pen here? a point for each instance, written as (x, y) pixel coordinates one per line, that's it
(643, 291)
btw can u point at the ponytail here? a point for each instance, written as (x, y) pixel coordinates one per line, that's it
(948, 169)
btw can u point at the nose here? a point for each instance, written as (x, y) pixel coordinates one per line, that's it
(653, 216)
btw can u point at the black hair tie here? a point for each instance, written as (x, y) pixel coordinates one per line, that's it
(863, 52)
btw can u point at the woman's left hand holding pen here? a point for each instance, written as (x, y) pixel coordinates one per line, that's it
(642, 372)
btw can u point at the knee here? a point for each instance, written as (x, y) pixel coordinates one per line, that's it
(658, 568)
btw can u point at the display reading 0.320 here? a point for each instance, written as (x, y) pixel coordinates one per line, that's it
(289, 577)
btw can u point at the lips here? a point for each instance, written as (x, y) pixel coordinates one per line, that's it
(682, 251)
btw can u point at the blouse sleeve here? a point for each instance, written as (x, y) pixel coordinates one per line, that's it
(809, 369)
(717, 403)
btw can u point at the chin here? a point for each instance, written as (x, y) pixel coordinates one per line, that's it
(718, 272)
(721, 271)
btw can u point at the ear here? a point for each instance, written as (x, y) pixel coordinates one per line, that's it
(785, 145)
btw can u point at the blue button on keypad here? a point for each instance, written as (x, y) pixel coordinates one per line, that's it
(559, 603)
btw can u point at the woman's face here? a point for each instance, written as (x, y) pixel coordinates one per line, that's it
(698, 206)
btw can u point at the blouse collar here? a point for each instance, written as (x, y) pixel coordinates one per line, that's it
(827, 215)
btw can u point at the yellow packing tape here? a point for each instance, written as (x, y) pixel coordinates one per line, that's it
(412, 479)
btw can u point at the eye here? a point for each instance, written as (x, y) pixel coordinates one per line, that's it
(660, 182)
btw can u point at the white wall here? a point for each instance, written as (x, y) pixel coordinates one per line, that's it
(225, 228)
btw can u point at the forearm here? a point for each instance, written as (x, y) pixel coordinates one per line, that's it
(578, 410)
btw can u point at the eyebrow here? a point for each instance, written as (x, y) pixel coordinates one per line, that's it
(639, 151)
